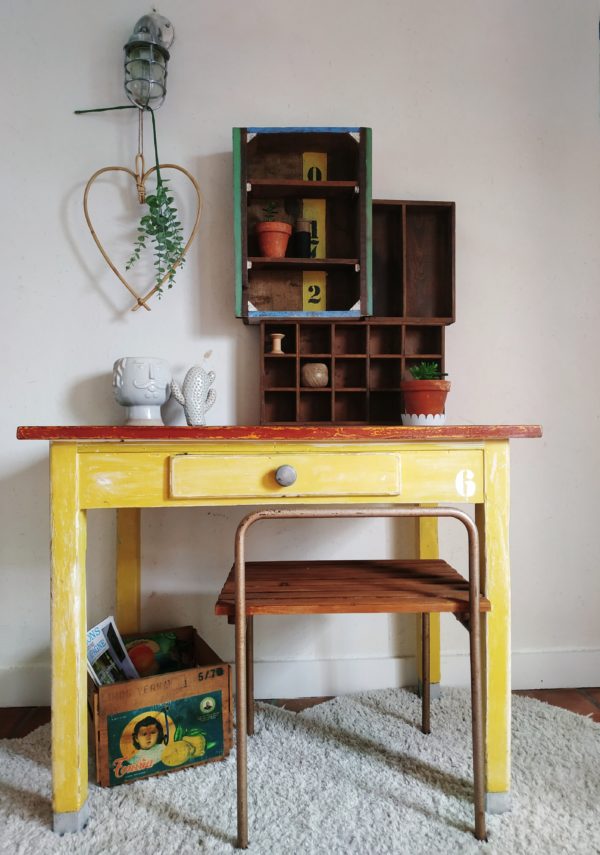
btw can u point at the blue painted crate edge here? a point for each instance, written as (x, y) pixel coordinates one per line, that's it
(303, 130)
(354, 313)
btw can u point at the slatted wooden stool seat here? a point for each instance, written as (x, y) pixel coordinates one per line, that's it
(415, 586)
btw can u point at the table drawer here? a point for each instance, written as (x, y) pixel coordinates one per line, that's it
(196, 476)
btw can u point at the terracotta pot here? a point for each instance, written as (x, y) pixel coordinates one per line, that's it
(273, 238)
(425, 397)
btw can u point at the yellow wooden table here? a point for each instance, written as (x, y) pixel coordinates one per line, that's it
(129, 468)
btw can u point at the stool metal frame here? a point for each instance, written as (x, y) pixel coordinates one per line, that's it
(244, 655)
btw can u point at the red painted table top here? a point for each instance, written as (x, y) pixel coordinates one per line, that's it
(297, 433)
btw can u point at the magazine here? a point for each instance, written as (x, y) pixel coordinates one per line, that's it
(107, 658)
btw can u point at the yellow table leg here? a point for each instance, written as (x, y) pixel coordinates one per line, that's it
(427, 544)
(69, 669)
(492, 520)
(128, 570)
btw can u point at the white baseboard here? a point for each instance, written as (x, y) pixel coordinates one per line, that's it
(530, 670)
(30, 685)
(302, 678)
(27, 686)
(535, 669)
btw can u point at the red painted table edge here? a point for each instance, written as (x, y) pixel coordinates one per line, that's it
(298, 433)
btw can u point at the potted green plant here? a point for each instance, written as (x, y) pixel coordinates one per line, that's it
(273, 233)
(425, 395)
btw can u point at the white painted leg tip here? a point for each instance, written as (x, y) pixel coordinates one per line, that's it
(497, 802)
(72, 821)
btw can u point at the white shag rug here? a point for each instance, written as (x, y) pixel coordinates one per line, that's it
(352, 775)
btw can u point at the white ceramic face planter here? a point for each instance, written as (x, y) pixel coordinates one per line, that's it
(143, 385)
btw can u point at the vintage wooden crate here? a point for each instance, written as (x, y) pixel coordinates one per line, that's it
(165, 721)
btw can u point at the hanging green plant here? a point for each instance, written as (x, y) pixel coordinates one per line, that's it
(161, 228)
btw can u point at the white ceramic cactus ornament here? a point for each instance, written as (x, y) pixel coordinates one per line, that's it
(195, 395)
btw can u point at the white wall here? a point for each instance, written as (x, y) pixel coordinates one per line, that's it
(492, 105)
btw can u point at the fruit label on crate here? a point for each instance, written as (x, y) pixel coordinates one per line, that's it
(164, 737)
(314, 291)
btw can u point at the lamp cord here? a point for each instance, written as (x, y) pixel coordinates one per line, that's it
(106, 109)
(140, 166)
(140, 153)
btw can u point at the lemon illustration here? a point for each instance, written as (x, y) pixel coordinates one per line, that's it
(198, 744)
(176, 753)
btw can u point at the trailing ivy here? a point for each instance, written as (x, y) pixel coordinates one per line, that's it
(160, 227)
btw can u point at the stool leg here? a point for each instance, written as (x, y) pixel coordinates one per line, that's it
(425, 675)
(241, 718)
(250, 674)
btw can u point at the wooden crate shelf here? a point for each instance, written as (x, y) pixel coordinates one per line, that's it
(334, 194)
(262, 263)
(269, 188)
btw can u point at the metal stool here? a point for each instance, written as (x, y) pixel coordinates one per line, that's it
(410, 586)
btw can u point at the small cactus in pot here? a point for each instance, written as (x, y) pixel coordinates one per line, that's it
(425, 395)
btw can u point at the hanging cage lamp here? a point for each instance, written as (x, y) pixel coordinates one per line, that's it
(146, 57)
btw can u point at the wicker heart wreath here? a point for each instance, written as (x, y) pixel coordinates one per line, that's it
(140, 177)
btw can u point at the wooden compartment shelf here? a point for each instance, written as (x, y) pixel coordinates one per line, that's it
(314, 406)
(351, 373)
(385, 339)
(423, 341)
(280, 373)
(413, 260)
(349, 339)
(279, 407)
(385, 407)
(315, 340)
(350, 408)
(412, 254)
(366, 361)
(385, 373)
(319, 175)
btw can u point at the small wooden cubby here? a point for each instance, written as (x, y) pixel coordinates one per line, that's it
(270, 165)
(366, 362)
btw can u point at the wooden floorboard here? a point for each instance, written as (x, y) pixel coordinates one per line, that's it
(16, 722)
(582, 701)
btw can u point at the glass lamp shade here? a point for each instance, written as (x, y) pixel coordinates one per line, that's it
(145, 73)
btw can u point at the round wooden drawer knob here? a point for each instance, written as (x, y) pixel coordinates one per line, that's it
(285, 476)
